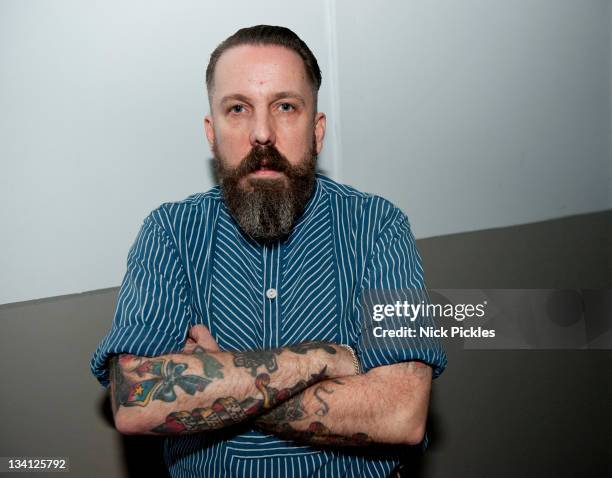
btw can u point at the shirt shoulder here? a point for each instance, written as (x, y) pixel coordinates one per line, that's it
(374, 212)
(196, 210)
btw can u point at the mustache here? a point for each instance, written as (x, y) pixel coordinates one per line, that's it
(263, 156)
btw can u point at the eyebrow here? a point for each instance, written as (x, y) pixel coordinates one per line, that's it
(236, 97)
(289, 94)
(277, 96)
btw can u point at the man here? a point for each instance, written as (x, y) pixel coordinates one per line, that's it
(239, 332)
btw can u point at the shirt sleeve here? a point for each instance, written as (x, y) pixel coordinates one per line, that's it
(394, 272)
(153, 311)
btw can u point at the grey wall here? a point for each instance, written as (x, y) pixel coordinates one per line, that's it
(610, 109)
(494, 413)
(572, 253)
(50, 405)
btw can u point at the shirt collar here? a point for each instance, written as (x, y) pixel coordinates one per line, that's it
(311, 207)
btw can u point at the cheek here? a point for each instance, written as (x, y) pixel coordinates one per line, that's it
(232, 145)
(294, 140)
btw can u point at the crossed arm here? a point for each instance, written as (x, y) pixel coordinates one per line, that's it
(305, 392)
(386, 405)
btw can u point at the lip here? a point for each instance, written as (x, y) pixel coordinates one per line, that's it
(266, 173)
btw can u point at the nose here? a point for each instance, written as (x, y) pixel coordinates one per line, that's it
(262, 131)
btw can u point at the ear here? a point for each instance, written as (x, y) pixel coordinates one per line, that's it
(210, 131)
(319, 130)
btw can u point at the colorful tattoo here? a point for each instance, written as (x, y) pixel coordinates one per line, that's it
(210, 365)
(278, 421)
(160, 377)
(289, 411)
(319, 434)
(229, 411)
(253, 359)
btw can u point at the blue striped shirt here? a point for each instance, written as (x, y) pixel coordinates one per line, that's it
(191, 264)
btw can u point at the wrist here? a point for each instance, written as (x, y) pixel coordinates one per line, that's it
(354, 359)
(343, 363)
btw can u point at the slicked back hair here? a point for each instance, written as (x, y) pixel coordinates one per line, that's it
(267, 35)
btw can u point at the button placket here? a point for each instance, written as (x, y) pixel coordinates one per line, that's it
(271, 308)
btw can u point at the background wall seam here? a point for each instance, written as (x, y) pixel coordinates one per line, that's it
(334, 90)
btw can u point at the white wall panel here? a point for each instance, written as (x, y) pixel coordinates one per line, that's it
(101, 121)
(468, 115)
(476, 114)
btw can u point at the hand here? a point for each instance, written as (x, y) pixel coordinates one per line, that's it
(200, 336)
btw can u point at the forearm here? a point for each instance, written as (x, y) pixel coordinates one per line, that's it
(187, 393)
(386, 405)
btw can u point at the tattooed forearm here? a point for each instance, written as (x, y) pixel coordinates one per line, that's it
(229, 411)
(317, 394)
(294, 419)
(205, 390)
(210, 365)
(253, 359)
(156, 379)
(289, 411)
(317, 433)
(386, 405)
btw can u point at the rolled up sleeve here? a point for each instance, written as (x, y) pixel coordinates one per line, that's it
(153, 310)
(395, 272)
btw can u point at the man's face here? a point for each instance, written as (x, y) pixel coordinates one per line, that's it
(265, 135)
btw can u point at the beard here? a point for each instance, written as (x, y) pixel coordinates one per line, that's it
(266, 208)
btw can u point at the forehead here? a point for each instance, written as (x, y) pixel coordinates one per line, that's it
(255, 70)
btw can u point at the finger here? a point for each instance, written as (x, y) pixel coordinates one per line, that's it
(199, 332)
(202, 336)
(190, 345)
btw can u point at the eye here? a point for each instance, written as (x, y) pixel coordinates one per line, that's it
(286, 107)
(237, 109)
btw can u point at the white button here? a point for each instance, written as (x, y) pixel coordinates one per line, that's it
(271, 293)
